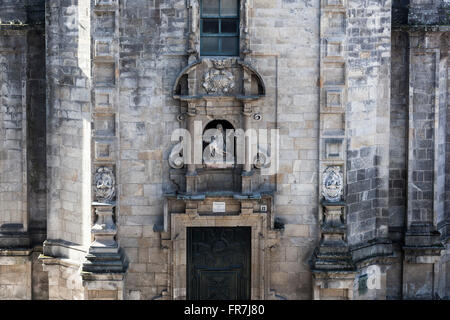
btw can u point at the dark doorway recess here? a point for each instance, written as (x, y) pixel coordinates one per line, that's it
(218, 263)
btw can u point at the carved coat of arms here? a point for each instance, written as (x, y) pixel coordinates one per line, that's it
(218, 80)
(105, 188)
(332, 184)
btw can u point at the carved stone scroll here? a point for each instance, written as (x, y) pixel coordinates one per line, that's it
(176, 159)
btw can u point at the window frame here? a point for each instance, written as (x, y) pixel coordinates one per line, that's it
(220, 35)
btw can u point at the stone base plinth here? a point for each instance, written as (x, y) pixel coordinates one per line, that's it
(333, 285)
(103, 286)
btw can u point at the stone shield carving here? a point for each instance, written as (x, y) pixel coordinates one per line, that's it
(105, 185)
(218, 80)
(332, 184)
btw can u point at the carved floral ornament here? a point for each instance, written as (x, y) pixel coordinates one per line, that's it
(332, 184)
(218, 80)
(104, 182)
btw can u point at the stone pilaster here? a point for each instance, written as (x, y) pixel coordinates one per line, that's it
(247, 170)
(191, 174)
(102, 272)
(13, 139)
(368, 129)
(194, 31)
(422, 243)
(331, 263)
(68, 127)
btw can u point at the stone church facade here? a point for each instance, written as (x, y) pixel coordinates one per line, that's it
(224, 149)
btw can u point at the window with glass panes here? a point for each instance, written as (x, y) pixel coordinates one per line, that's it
(219, 25)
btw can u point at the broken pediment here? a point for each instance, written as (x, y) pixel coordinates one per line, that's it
(213, 78)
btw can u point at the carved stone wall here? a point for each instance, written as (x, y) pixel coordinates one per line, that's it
(110, 189)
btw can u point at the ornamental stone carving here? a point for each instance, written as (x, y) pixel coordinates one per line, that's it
(332, 184)
(105, 185)
(218, 80)
(176, 159)
(261, 159)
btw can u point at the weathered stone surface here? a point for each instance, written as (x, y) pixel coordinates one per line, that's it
(103, 86)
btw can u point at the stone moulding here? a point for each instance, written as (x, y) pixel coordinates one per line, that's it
(14, 236)
(422, 244)
(371, 251)
(173, 237)
(257, 222)
(342, 280)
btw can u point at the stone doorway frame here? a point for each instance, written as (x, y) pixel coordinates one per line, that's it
(179, 222)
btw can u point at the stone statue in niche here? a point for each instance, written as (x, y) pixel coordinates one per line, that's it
(176, 159)
(105, 185)
(218, 80)
(332, 184)
(215, 154)
(216, 148)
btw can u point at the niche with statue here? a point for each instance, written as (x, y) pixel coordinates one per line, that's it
(218, 98)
